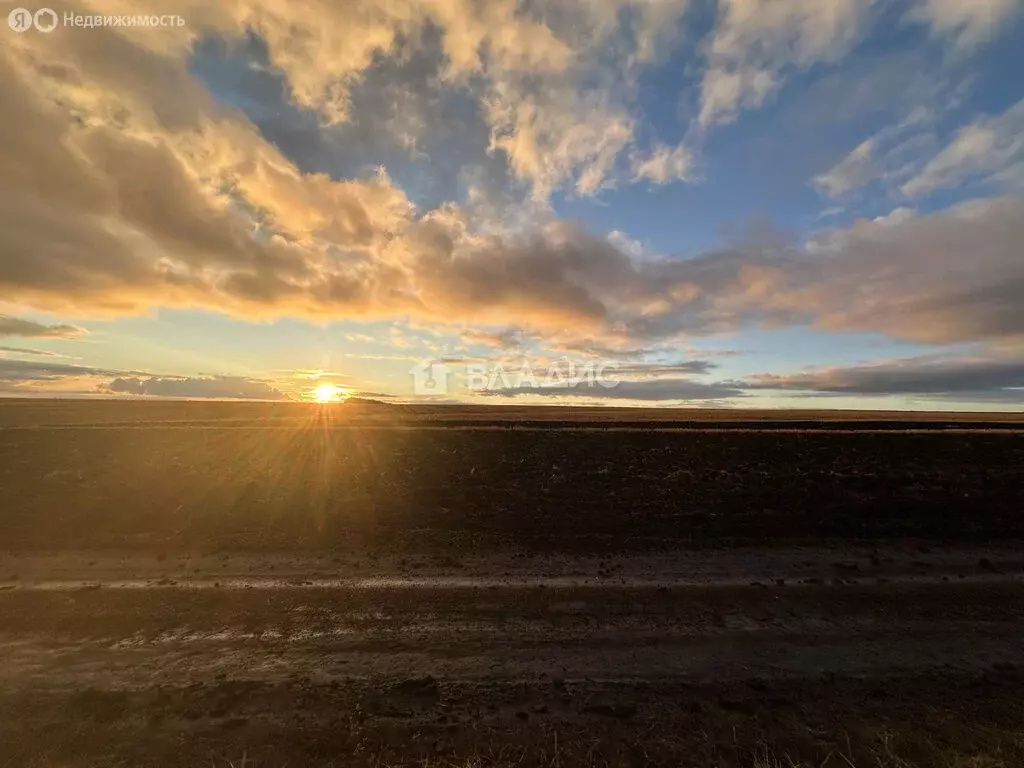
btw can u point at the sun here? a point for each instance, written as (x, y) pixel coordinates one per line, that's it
(328, 393)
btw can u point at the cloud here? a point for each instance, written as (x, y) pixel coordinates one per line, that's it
(950, 276)
(664, 164)
(211, 215)
(128, 187)
(29, 351)
(645, 370)
(653, 390)
(907, 158)
(932, 377)
(31, 370)
(41, 376)
(895, 216)
(510, 338)
(44, 377)
(14, 326)
(551, 136)
(208, 387)
(983, 148)
(170, 200)
(756, 42)
(968, 23)
(955, 378)
(553, 81)
(890, 155)
(855, 170)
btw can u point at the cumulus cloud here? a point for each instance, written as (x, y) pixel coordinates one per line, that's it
(553, 80)
(15, 326)
(127, 186)
(170, 200)
(550, 137)
(209, 214)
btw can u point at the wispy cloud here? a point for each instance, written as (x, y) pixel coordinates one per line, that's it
(15, 326)
(757, 42)
(40, 377)
(955, 378)
(980, 150)
(30, 351)
(654, 390)
(968, 23)
(212, 387)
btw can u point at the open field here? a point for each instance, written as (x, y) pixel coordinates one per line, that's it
(41, 412)
(209, 584)
(206, 478)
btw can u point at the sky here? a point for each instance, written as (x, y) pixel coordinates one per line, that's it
(702, 203)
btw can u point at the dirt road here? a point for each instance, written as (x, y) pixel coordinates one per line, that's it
(338, 661)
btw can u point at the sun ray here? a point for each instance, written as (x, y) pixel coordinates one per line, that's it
(328, 393)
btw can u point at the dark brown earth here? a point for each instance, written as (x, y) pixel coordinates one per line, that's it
(199, 584)
(331, 479)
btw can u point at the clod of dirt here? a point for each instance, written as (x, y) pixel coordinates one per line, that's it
(743, 706)
(757, 683)
(620, 711)
(395, 713)
(417, 686)
(846, 567)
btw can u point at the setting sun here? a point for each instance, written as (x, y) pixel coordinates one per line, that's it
(328, 393)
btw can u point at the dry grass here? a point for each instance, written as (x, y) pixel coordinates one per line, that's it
(883, 752)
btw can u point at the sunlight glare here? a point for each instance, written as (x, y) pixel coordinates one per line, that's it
(328, 393)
